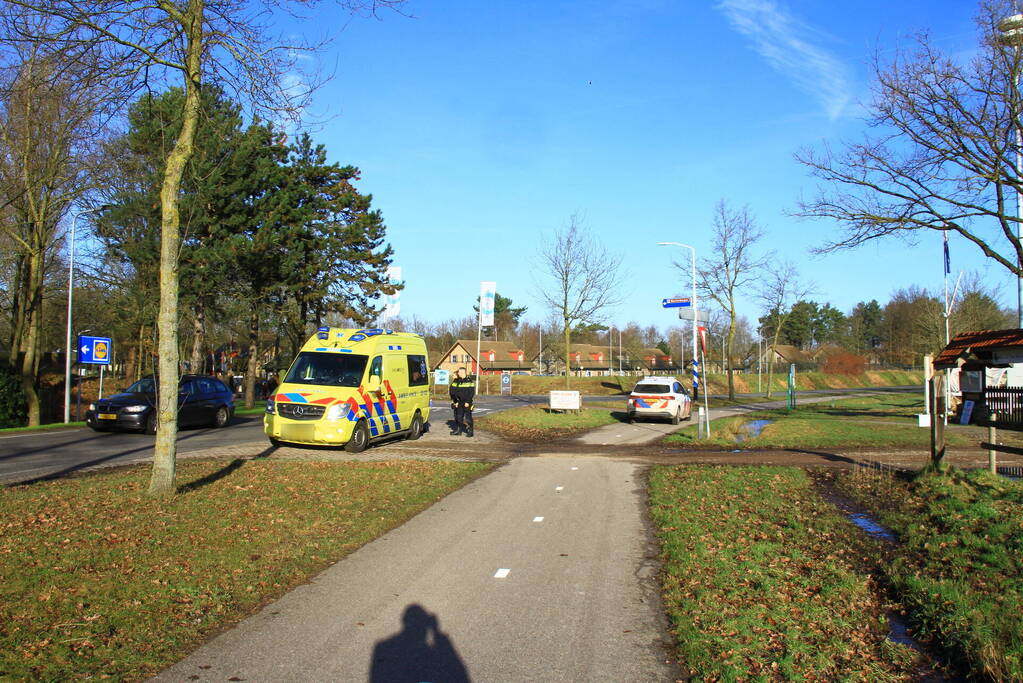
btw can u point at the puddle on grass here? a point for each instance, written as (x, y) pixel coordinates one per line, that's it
(870, 525)
(751, 430)
(898, 632)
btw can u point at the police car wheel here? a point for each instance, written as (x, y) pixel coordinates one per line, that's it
(675, 419)
(360, 438)
(415, 430)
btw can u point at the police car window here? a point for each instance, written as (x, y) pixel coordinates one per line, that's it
(677, 388)
(652, 389)
(327, 369)
(417, 372)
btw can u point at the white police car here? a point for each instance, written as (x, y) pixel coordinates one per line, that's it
(660, 397)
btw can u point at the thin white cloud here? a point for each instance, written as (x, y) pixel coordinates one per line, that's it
(792, 48)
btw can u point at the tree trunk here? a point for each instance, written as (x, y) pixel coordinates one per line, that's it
(253, 364)
(728, 355)
(198, 339)
(131, 364)
(770, 359)
(19, 300)
(568, 355)
(29, 348)
(165, 454)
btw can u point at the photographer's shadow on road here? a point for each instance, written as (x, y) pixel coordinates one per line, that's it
(419, 653)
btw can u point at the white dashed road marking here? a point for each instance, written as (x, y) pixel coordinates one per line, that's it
(558, 488)
(502, 573)
(538, 519)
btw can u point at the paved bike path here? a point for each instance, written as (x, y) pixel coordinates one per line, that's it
(542, 570)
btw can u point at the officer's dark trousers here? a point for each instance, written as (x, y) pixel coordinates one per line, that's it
(463, 417)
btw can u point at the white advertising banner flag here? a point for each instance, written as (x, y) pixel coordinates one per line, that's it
(488, 293)
(392, 303)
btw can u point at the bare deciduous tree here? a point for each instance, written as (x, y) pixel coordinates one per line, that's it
(49, 102)
(585, 281)
(780, 288)
(944, 157)
(732, 267)
(225, 41)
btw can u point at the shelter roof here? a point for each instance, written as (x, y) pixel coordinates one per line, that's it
(968, 344)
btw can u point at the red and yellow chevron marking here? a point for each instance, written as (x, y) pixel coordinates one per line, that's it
(651, 401)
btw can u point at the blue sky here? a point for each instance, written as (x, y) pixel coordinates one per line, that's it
(482, 126)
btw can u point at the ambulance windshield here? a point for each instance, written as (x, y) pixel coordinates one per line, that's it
(327, 369)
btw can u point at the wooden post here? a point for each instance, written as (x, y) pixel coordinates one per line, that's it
(937, 420)
(992, 457)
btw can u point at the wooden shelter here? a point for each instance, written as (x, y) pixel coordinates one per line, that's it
(999, 406)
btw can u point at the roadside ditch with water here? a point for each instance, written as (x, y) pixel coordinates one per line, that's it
(899, 629)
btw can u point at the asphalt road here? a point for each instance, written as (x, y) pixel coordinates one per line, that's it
(540, 571)
(35, 455)
(31, 456)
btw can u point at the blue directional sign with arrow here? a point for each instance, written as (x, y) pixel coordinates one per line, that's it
(677, 302)
(94, 350)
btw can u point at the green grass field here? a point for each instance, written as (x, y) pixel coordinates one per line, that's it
(530, 423)
(99, 581)
(876, 421)
(764, 581)
(959, 566)
(616, 385)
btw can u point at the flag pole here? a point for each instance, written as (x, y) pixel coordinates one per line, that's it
(488, 296)
(947, 267)
(479, 337)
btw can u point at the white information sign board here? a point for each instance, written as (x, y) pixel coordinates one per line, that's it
(564, 400)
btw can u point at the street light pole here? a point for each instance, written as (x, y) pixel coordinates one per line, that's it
(696, 381)
(1011, 33)
(70, 293)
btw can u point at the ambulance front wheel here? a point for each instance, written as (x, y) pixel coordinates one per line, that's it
(415, 430)
(360, 438)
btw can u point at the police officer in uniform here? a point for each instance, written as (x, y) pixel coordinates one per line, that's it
(463, 391)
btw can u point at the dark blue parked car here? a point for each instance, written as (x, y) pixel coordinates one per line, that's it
(202, 400)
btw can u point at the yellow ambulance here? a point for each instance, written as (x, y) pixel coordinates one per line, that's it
(351, 387)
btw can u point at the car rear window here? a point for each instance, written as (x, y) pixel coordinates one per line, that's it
(652, 389)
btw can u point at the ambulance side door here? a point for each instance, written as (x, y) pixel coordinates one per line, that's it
(396, 371)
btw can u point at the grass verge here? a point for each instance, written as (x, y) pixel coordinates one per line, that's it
(36, 428)
(879, 421)
(98, 580)
(531, 423)
(959, 567)
(763, 580)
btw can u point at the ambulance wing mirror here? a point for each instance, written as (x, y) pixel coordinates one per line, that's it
(373, 383)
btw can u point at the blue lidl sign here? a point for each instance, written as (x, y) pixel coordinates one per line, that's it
(94, 350)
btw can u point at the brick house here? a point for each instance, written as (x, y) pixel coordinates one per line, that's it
(496, 358)
(585, 360)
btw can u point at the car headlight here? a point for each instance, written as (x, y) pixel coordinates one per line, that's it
(334, 412)
(270, 407)
(135, 409)
(92, 406)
